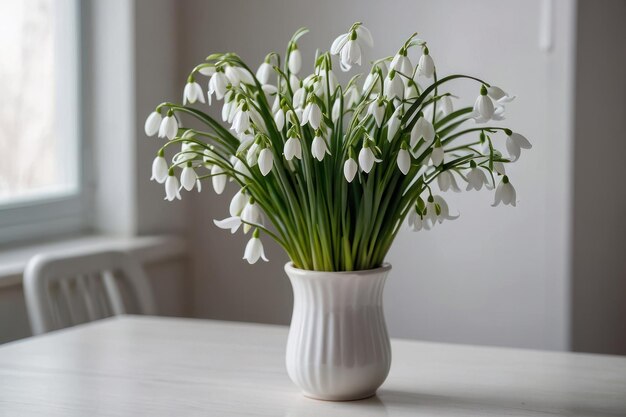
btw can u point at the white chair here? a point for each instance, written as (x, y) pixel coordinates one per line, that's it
(63, 290)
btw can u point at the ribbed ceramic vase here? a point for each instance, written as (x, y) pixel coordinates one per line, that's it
(338, 347)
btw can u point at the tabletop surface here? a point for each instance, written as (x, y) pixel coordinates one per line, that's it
(148, 366)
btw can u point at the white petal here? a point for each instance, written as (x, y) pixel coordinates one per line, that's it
(437, 155)
(159, 169)
(232, 223)
(266, 160)
(521, 141)
(404, 161)
(238, 203)
(188, 178)
(350, 169)
(295, 61)
(153, 122)
(218, 179)
(366, 159)
(338, 44)
(513, 149)
(365, 34)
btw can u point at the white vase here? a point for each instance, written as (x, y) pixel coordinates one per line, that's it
(338, 347)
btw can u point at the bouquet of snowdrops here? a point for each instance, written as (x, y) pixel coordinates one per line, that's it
(329, 171)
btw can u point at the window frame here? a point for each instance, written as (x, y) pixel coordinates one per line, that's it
(64, 212)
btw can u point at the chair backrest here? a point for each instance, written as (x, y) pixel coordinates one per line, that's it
(65, 289)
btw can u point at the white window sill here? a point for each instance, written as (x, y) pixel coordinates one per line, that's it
(146, 248)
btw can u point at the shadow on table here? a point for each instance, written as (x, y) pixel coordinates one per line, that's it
(497, 404)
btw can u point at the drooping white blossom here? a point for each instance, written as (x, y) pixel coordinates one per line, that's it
(241, 121)
(218, 179)
(192, 92)
(515, 143)
(217, 85)
(279, 119)
(393, 86)
(295, 60)
(422, 129)
(254, 249)
(264, 73)
(159, 169)
(446, 181)
(476, 178)
(238, 202)
(251, 214)
(293, 147)
(169, 126)
(153, 122)
(404, 161)
(266, 161)
(319, 149)
(188, 177)
(377, 110)
(402, 63)
(437, 155)
(349, 46)
(350, 168)
(505, 193)
(336, 112)
(172, 187)
(483, 106)
(394, 123)
(367, 158)
(426, 65)
(312, 115)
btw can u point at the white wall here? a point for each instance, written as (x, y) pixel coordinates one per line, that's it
(495, 276)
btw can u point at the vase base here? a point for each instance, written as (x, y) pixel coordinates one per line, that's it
(339, 398)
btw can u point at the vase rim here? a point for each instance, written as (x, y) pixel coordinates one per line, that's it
(385, 267)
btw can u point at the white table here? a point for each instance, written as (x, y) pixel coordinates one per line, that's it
(146, 366)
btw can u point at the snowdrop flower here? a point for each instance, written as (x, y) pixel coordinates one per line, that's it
(188, 177)
(417, 222)
(336, 112)
(505, 193)
(192, 92)
(319, 148)
(436, 155)
(422, 129)
(254, 249)
(299, 97)
(241, 121)
(515, 143)
(483, 107)
(498, 113)
(251, 214)
(252, 155)
(153, 122)
(159, 168)
(377, 109)
(426, 65)
(238, 203)
(264, 73)
(237, 75)
(218, 178)
(394, 123)
(241, 169)
(393, 87)
(232, 223)
(293, 147)
(169, 126)
(444, 211)
(476, 178)
(402, 63)
(404, 159)
(367, 157)
(218, 85)
(266, 161)
(497, 94)
(350, 169)
(295, 60)
(279, 119)
(348, 46)
(371, 81)
(446, 181)
(499, 167)
(312, 115)
(172, 187)
(294, 82)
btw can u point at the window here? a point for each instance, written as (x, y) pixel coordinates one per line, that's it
(40, 165)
